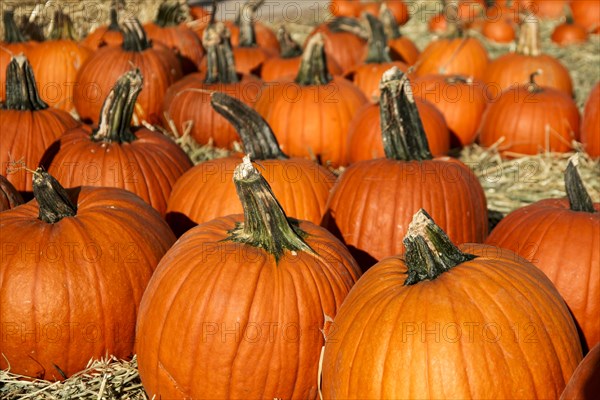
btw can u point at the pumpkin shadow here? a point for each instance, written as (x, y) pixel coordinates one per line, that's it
(179, 223)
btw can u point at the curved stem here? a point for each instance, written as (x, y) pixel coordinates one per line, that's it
(529, 37)
(32, 29)
(62, 28)
(12, 33)
(118, 108)
(390, 25)
(377, 50)
(256, 134)
(219, 55)
(429, 251)
(313, 67)
(532, 86)
(134, 36)
(401, 126)
(579, 198)
(169, 14)
(265, 224)
(289, 48)
(53, 201)
(21, 88)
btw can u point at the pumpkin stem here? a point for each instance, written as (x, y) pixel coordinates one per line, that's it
(32, 28)
(377, 50)
(350, 25)
(62, 27)
(390, 25)
(313, 67)
(532, 86)
(118, 108)
(401, 126)
(219, 55)
(53, 201)
(256, 134)
(21, 88)
(289, 48)
(579, 198)
(134, 36)
(12, 33)
(529, 37)
(429, 251)
(246, 23)
(169, 13)
(453, 79)
(265, 224)
(114, 19)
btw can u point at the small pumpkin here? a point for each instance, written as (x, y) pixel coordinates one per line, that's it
(585, 381)
(115, 154)
(401, 47)
(250, 272)
(465, 314)
(356, 8)
(9, 196)
(372, 202)
(587, 14)
(569, 33)
(590, 123)
(530, 119)
(75, 297)
(499, 30)
(14, 43)
(106, 35)
(545, 8)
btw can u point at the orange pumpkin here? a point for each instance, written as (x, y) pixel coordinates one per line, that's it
(14, 44)
(544, 8)
(587, 14)
(355, 8)
(569, 33)
(9, 196)
(346, 48)
(590, 124)
(499, 30)
(585, 381)
(107, 35)
(401, 47)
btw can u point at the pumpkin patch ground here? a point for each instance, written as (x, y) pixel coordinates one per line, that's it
(435, 45)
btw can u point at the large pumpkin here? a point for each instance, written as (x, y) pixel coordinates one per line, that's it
(118, 155)
(446, 322)
(585, 381)
(9, 196)
(29, 126)
(257, 290)
(590, 123)
(560, 236)
(14, 43)
(372, 202)
(73, 269)
(205, 191)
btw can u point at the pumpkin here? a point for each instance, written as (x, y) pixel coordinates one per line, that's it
(461, 100)
(364, 135)
(115, 154)
(544, 8)
(29, 126)
(442, 321)
(401, 47)
(14, 44)
(513, 68)
(76, 296)
(569, 32)
(247, 272)
(286, 65)
(585, 381)
(438, 23)
(157, 63)
(590, 124)
(199, 13)
(168, 28)
(530, 119)
(56, 63)
(187, 103)
(330, 102)
(107, 35)
(499, 30)
(587, 14)
(344, 8)
(205, 192)
(9, 196)
(543, 233)
(356, 8)
(372, 202)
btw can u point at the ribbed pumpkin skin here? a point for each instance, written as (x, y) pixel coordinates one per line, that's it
(530, 122)
(452, 337)
(9, 197)
(182, 40)
(183, 103)
(510, 70)
(159, 66)
(26, 135)
(286, 108)
(585, 382)
(368, 76)
(101, 37)
(204, 282)
(564, 245)
(205, 192)
(249, 59)
(461, 103)
(81, 292)
(148, 166)
(364, 135)
(590, 124)
(373, 202)
(55, 65)
(465, 57)
(276, 68)
(345, 48)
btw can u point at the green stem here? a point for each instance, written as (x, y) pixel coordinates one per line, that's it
(219, 55)
(429, 251)
(114, 20)
(392, 30)
(289, 48)
(134, 36)
(265, 224)
(118, 108)
(377, 48)
(62, 28)
(529, 37)
(32, 29)
(53, 201)
(169, 13)
(313, 67)
(579, 198)
(256, 134)
(12, 34)
(402, 130)
(21, 88)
